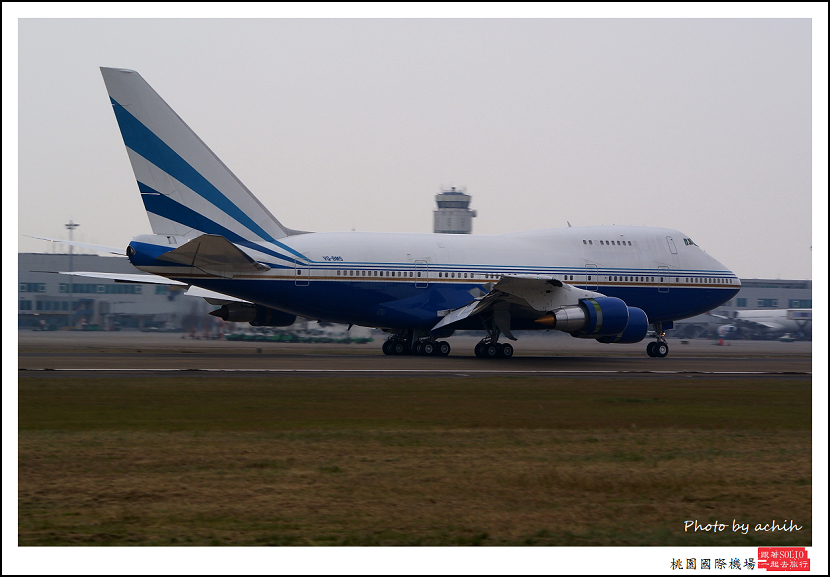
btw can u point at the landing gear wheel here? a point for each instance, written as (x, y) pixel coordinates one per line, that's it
(506, 350)
(491, 351)
(444, 348)
(650, 349)
(387, 348)
(399, 348)
(429, 349)
(661, 350)
(479, 350)
(418, 348)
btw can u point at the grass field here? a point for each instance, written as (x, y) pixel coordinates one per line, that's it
(402, 461)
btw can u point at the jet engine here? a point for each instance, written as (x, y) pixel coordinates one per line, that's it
(607, 319)
(634, 332)
(257, 315)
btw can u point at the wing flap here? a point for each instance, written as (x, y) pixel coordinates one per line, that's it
(518, 295)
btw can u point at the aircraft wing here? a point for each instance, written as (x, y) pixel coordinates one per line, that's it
(122, 277)
(214, 254)
(212, 297)
(529, 296)
(759, 324)
(719, 316)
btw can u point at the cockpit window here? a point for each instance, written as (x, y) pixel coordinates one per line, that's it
(689, 242)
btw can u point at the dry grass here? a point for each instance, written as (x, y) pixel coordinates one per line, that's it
(405, 462)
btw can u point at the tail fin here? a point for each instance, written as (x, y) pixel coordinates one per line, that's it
(186, 189)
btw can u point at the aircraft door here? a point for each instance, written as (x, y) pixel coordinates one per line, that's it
(591, 277)
(663, 279)
(421, 274)
(302, 273)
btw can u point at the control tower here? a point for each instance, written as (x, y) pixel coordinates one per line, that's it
(453, 215)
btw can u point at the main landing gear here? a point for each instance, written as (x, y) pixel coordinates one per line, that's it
(490, 348)
(400, 345)
(658, 348)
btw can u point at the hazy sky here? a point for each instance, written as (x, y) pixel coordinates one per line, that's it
(704, 125)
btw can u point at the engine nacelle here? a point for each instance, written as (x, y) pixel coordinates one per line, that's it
(257, 315)
(607, 316)
(594, 318)
(634, 332)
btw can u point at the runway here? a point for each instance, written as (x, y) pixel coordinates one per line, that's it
(137, 353)
(151, 439)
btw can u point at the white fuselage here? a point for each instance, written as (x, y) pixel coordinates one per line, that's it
(319, 274)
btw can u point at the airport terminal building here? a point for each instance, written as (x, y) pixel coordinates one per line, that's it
(54, 301)
(755, 294)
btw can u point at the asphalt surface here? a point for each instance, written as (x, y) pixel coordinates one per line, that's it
(93, 353)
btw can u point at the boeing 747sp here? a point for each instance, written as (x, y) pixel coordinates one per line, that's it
(209, 231)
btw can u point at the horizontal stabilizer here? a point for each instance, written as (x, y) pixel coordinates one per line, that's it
(95, 247)
(214, 255)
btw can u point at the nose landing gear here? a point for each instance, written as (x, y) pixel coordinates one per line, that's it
(658, 348)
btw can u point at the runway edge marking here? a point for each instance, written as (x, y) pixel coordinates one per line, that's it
(416, 371)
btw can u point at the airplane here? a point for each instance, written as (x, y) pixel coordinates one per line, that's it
(608, 283)
(765, 322)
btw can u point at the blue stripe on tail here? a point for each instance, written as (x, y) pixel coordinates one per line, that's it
(142, 140)
(166, 207)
